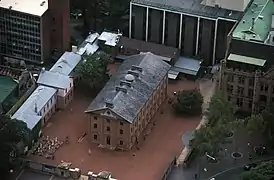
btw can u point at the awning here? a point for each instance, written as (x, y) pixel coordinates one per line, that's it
(172, 74)
(246, 59)
(187, 66)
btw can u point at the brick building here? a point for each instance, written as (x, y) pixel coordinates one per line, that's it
(197, 27)
(33, 30)
(246, 74)
(121, 111)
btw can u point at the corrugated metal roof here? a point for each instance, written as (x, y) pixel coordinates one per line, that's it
(246, 59)
(127, 105)
(54, 79)
(34, 7)
(66, 63)
(187, 66)
(37, 100)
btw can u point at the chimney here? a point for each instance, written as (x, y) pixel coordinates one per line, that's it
(136, 68)
(125, 83)
(122, 89)
(109, 103)
(134, 73)
(35, 108)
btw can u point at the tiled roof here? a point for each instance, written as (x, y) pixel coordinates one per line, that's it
(127, 105)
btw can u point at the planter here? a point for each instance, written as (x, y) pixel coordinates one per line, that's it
(237, 155)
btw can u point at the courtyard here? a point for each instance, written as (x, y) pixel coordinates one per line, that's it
(149, 162)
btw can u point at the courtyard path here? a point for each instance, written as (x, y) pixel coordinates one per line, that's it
(207, 89)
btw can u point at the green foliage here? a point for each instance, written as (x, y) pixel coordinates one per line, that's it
(189, 102)
(221, 119)
(220, 109)
(265, 171)
(255, 123)
(12, 132)
(93, 70)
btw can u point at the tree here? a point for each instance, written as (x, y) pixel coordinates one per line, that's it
(189, 102)
(12, 132)
(92, 70)
(208, 139)
(265, 171)
(255, 124)
(220, 109)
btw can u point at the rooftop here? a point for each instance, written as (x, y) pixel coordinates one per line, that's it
(34, 7)
(7, 86)
(29, 110)
(193, 7)
(111, 39)
(54, 79)
(142, 46)
(127, 92)
(256, 22)
(90, 45)
(66, 63)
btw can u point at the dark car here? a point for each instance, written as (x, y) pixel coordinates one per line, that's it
(249, 166)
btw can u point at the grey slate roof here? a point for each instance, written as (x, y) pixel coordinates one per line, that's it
(66, 63)
(53, 79)
(38, 99)
(127, 105)
(191, 7)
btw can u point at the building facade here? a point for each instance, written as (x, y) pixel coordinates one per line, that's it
(120, 113)
(31, 31)
(197, 28)
(246, 74)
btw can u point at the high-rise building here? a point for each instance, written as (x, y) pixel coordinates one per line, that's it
(32, 30)
(197, 27)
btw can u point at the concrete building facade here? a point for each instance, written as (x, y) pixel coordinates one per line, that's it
(197, 29)
(246, 74)
(122, 110)
(32, 30)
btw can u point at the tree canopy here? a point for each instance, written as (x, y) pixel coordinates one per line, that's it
(11, 133)
(92, 70)
(189, 102)
(221, 122)
(265, 171)
(98, 14)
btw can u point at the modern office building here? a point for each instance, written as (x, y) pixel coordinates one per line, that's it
(122, 110)
(32, 30)
(247, 72)
(198, 27)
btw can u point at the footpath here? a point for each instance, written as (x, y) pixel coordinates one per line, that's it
(207, 89)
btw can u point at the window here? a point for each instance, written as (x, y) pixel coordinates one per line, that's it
(240, 102)
(95, 118)
(108, 140)
(230, 78)
(95, 136)
(230, 89)
(241, 80)
(250, 104)
(250, 93)
(264, 87)
(121, 131)
(240, 90)
(94, 125)
(251, 82)
(121, 142)
(108, 120)
(108, 128)
(121, 123)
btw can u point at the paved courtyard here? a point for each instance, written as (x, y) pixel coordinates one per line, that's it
(155, 154)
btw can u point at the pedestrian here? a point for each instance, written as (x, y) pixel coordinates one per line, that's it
(249, 156)
(195, 176)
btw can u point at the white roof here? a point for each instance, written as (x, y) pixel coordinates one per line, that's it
(34, 7)
(54, 79)
(37, 100)
(111, 39)
(89, 46)
(66, 63)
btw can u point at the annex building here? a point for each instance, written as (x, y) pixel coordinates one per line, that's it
(121, 111)
(199, 28)
(247, 72)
